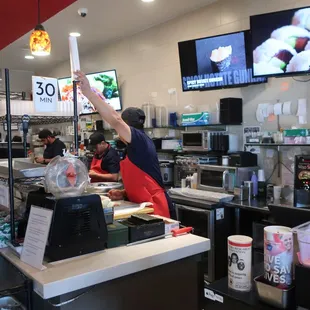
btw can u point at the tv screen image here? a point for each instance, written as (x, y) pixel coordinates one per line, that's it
(216, 62)
(281, 43)
(105, 84)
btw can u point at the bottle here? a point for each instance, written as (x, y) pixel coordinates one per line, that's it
(262, 190)
(194, 181)
(255, 184)
(188, 181)
(262, 187)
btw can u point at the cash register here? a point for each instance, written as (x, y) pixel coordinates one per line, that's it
(78, 224)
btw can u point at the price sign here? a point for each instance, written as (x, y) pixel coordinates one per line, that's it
(45, 94)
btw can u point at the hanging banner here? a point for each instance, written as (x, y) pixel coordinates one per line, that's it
(45, 94)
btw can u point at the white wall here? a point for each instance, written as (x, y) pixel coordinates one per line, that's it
(19, 80)
(148, 62)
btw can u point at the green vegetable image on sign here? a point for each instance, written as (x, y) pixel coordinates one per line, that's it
(109, 86)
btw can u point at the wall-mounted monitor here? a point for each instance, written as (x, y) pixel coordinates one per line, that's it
(104, 83)
(281, 43)
(217, 62)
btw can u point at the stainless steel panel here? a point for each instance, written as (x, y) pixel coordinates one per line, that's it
(103, 187)
(279, 298)
(210, 276)
(22, 168)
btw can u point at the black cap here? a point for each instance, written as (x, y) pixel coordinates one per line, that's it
(134, 117)
(94, 139)
(45, 133)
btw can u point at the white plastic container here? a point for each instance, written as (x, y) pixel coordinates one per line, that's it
(194, 181)
(303, 235)
(225, 160)
(149, 110)
(240, 263)
(278, 256)
(161, 116)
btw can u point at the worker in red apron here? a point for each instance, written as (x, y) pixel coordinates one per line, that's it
(105, 165)
(140, 169)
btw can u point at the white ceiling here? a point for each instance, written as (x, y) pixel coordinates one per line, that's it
(107, 20)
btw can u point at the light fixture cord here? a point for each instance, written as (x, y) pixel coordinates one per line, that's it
(39, 21)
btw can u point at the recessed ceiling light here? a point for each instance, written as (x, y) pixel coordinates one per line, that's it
(29, 57)
(75, 34)
(147, 0)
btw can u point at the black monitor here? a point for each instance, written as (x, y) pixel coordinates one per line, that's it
(281, 43)
(104, 83)
(222, 61)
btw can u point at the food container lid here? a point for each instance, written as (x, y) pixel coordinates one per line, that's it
(304, 228)
(277, 229)
(239, 240)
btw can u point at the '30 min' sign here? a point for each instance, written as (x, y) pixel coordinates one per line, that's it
(45, 94)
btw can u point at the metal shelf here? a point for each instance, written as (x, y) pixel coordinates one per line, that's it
(220, 126)
(13, 95)
(274, 144)
(39, 120)
(23, 181)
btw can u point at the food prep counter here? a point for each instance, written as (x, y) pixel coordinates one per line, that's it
(123, 278)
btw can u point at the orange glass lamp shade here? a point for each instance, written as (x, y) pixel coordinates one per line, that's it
(40, 42)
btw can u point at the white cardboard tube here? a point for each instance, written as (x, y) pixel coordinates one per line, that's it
(74, 56)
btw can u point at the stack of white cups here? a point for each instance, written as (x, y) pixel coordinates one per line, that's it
(261, 176)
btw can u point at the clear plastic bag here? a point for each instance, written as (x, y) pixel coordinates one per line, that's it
(66, 177)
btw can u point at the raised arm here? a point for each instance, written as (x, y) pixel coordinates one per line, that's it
(104, 109)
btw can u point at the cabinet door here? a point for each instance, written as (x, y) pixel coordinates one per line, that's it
(202, 222)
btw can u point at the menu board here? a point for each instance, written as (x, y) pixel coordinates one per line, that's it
(105, 84)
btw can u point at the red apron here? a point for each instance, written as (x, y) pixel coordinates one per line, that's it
(140, 187)
(96, 167)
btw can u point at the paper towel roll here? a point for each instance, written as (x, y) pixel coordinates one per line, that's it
(74, 56)
(302, 107)
(277, 108)
(287, 108)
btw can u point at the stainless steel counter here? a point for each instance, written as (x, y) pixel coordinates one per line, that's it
(22, 168)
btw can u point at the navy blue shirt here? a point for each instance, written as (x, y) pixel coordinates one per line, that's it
(110, 161)
(142, 153)
(54, 149)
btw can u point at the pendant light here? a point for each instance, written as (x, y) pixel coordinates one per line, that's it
(40, 43)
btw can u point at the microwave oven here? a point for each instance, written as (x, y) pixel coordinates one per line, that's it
(205, 140)
(195, 141)
(223, 178)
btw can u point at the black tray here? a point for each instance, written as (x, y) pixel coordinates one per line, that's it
(142, 232)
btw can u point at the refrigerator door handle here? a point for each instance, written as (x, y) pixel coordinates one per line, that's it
(181, 207)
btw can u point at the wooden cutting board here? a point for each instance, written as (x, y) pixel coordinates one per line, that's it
(146, 210)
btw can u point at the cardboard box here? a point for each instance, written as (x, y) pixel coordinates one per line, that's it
(169, 224)
(295, 132)
(195, 119)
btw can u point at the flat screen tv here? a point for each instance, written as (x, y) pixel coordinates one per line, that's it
(281, 43)
(104, 83)
(217, 62)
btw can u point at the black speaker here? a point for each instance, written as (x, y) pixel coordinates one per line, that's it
(99, 125)
(231, 111)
